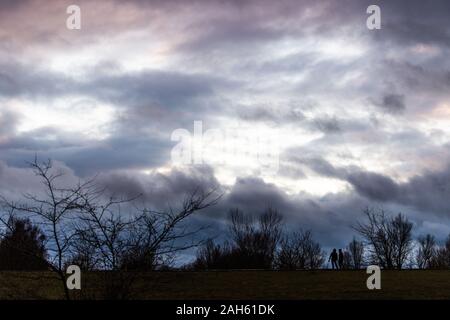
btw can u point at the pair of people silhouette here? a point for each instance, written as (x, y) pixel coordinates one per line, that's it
(337, 259)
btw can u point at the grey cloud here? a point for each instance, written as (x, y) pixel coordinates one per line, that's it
(149, 105)
(253, 193)
(16, 181)
(141, 89)
(330, 218)
(416, 21)
(374, 186)
(290, 171)
(417, 77)
(293, 114)
(393, 103)
(428, 191)
(118, 153)
(270, 114)
(84, 156)
(12, 4)
(328, 125)
(8, 123)
(17, 79)
(170, 90)
(160, 189)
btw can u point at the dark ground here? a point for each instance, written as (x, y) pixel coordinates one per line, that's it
(322, 284)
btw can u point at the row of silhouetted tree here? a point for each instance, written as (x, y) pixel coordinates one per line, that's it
(254, 243)
(72, 225)
(260, 243)
(263, 243)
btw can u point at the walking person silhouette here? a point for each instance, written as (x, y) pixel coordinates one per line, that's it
(333, 257)
(341, 259)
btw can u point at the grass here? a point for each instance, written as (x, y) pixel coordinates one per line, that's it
(321, 284)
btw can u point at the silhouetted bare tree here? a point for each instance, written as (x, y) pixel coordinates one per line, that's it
(389, 238)
(300, 251)
(288, 257)
(356, 251)
(82, 225)
(53, 211)
(347, 262)
(255, 242)
(139, 241)
(441, 259)
(426, 251)
(83, 254)
(214, 256)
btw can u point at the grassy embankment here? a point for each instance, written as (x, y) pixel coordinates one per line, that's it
(323, 284)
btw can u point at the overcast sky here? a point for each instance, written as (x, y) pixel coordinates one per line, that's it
(353, 117)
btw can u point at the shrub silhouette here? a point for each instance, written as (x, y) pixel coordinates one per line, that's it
(23, 247)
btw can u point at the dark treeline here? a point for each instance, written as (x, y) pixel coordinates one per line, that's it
(260, 243)
(76, 225)
(263, 243)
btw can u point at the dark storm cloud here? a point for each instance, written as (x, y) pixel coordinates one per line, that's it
(394, 103)
(330, 217)
(141, 89)
(427, 191)
(416, 21)
(17, 79)
(252, 194)
(373, 185)
(161, 189)
(117, 153)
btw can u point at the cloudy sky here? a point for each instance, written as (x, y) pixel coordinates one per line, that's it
(314, 113)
